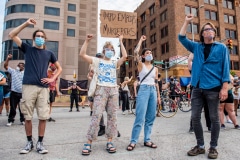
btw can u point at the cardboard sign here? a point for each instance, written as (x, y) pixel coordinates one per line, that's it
(113, 22)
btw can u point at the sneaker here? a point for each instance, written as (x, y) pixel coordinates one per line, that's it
(229, 121)
(9, 124)
(7, 113)
(237, 127)
(123, 113)
(196, 151)
(77, 110)
(28, 148)
(223, 126)
(40, 148)
(212, 153)
(90, 113)
(118, 134)
(70, 110)
(23, 123)
(191, 130)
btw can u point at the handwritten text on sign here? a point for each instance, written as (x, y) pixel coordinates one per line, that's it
(113, 22)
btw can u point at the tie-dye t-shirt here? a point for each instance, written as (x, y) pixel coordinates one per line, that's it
(106, 72)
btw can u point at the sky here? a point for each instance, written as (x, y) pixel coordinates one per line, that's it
(119, 5)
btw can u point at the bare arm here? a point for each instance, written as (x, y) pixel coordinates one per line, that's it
(123, 50)
(7, 61)
(14, 33)
(3, 81)
(66, 89)
(83, 50)
(185, 24)
(81, 89)
(136, 52)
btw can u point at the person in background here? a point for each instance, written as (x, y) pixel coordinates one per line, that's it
(53, 89)
(6, 94)
(210, 78)
(35, 92)
(106, 93)
(16, 90)
(74, 96)
(125, 94)
(236, 97)
(3, 81)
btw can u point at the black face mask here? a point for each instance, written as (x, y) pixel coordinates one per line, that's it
(171, 79)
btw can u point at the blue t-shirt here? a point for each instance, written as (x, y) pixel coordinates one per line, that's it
(36, 64)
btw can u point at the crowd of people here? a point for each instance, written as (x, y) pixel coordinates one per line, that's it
(34, 83)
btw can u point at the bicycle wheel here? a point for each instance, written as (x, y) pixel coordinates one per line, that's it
(168, 108)
(185, 105)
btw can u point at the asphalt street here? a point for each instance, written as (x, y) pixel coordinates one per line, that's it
(65, 138)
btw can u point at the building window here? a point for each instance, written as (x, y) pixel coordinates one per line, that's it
(151, 9)
(15, 23)
(130, 64)
(9, 47)
(71, 20)
(230, 33)
(162, 2)
(52, 46)
(29, 8)
(195, 28)
(71, 32)
(229, 19)
(210, 2)
(164, 32)
(234, 50)
(130, 52)
(234, 65)
(52, 11)
(54, 0)
(71, 7)
(144, 30)
(51, 25)
(211, 15)
(154, 52)
(153, 38)
(163, 16)
(153, 24)
(165, 48)
(228, 4)
(144, 44)
(191, 10)
(143, 17)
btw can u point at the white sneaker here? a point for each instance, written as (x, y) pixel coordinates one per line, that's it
(123, 113)
(229, 121)
(22, 123)
(9, 124)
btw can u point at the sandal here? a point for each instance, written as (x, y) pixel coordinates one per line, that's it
(110, 147)
(86, 147)
(150, 144)
(131, 147)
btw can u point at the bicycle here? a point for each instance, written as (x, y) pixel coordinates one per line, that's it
(168, 107)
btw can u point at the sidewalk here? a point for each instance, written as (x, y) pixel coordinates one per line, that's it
(65, 138)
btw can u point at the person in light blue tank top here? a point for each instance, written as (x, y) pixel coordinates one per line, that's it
(147, 97)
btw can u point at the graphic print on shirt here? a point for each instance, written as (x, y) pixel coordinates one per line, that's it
(107, 73)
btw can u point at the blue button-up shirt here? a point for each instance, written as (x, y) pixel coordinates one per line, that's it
(215, 70)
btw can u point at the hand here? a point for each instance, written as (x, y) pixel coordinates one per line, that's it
(120, 36)
(89, 37)
(9, 56)
(143, 38)
(47, 80)
(189, 18)
(223, 94)
(31, 21)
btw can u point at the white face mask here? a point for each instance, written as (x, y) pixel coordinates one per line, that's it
(17, 68)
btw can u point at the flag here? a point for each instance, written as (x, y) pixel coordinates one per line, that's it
(64, 84)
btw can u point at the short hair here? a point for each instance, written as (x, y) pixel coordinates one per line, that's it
(144, 51)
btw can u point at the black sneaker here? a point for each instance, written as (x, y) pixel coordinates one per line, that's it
(27, 148)
(196, 151)
(40, 148)
(213, 154)
(70, 110)
(191, 130)
(118, 134)
(223, 126)
(77, 110)
(237, 127)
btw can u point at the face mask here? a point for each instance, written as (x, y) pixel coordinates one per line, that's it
(39, 41)
(109, 54)
(149, 57)
(17, 68)
(171, 79)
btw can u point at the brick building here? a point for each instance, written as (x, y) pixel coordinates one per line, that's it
(66, 23)
(161, 21)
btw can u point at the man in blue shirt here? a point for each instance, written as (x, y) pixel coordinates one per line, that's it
(210, 78)
(35, 93)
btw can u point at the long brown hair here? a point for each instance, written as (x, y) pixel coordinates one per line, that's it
(202, 30)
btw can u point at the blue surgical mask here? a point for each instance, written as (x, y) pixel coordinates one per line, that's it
(149, 57)
(109, 54)
(39, 41)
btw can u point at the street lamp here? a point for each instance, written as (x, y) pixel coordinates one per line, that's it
(192, 20)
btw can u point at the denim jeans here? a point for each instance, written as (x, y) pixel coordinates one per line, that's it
(145, 112)
(211, 99)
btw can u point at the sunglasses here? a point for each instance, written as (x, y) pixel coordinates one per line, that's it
(208, 29)
(40, 36)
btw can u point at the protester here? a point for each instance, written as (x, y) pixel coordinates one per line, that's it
(35, 93)
(125, 94)
(106, 93)
(2, 83)
(16, 90)
(210, 78)
(6, 94)
(147, 97)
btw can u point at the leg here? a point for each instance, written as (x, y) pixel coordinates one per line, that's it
(230, 109)
(7, 104)
(1, 106)
(102, 127)
(221, 114)
(76, 101)
(71, 100)
(235, 106)
(124, 101)
(206, 113)
(41, 127)
(14, 100)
